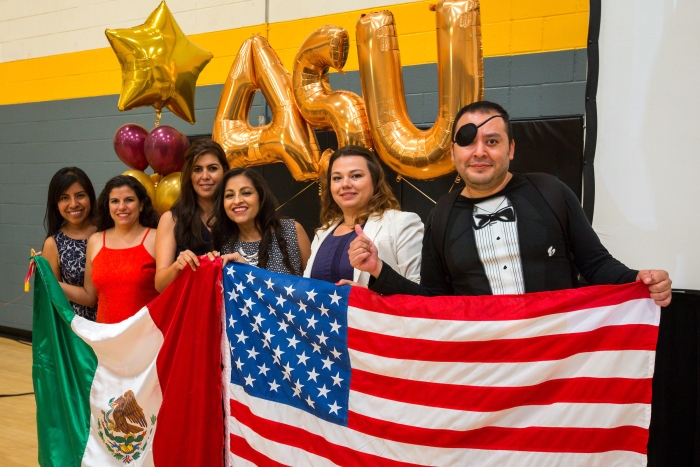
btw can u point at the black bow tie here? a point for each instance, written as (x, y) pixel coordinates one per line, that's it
(506, 214)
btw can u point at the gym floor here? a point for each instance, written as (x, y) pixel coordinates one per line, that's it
(18, 445)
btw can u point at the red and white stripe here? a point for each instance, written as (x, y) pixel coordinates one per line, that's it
(547, 379)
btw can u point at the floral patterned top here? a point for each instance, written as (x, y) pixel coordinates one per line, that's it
(71, 255)
(275, 262)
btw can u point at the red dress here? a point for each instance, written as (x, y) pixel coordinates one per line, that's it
(124, 281)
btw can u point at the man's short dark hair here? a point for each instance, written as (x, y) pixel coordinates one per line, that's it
(484, 107)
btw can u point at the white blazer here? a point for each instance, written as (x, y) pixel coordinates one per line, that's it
(398, 237)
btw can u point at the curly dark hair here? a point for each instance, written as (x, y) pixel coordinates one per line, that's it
(60, 182)
(148, 216)
(186, 211)
(267, 221)
(382, 200)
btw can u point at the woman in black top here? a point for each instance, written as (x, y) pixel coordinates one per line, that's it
(182, 232)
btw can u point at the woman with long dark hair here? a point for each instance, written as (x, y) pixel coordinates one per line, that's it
(182, 232)
(69, 224)
(121, 266)
(355, 195)
(246, 228)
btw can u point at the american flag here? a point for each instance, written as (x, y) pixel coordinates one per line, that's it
(320, 375)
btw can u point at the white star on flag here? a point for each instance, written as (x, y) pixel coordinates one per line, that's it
(334, 408)
(232, 295)
(274, 385)
(252, 353)
(327, 363)
(287, 372)
(337, 379)
(335, 326)
(297, 388)
(335, 298)
(249, 380)
(312, 322)
(313, 375)
(324, 310)
(311, 295)
(323, 391)
(269, 283)
(289, 290)
(302, 358)
(268, 336)
(293, 341)
(250, 277)
(241, 337)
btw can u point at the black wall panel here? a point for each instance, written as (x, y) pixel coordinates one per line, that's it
(551, 145)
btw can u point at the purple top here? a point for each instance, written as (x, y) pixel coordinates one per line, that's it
(332, 262)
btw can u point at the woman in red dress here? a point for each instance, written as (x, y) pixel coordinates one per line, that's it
(120, 267)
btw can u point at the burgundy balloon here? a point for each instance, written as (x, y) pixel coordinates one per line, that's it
(165, 149)
(186, 143)
(129, 145)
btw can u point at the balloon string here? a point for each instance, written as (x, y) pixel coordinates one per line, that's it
(303, 190)
(12, 301)
(399, 178)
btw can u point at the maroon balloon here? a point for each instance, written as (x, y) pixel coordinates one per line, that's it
(165, 149)
(186, 143)
(129, 145)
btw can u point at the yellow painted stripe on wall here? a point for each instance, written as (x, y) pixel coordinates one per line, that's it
(509, 27)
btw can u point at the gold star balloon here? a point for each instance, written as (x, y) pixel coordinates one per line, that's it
(160, 65)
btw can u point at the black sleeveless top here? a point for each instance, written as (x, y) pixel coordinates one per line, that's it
(206, 236)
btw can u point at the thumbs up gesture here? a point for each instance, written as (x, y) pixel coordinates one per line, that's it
(363, 254)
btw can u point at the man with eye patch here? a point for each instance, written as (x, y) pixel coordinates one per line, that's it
(504, 233)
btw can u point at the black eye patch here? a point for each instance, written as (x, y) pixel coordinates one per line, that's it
(467, 133)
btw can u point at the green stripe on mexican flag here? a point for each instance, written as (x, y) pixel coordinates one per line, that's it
(146, 391)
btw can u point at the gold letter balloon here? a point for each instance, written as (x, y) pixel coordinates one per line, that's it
(160, 65)
(287, 138)
(380, 121)
(341, 111)
(415, 153)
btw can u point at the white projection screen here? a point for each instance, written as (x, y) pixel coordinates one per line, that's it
(647, 157)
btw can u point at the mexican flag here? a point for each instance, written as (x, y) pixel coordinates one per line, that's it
(146, 391)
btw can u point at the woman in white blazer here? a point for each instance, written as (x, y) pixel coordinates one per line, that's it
(356, 196)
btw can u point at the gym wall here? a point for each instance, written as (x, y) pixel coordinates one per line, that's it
(60, 83)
